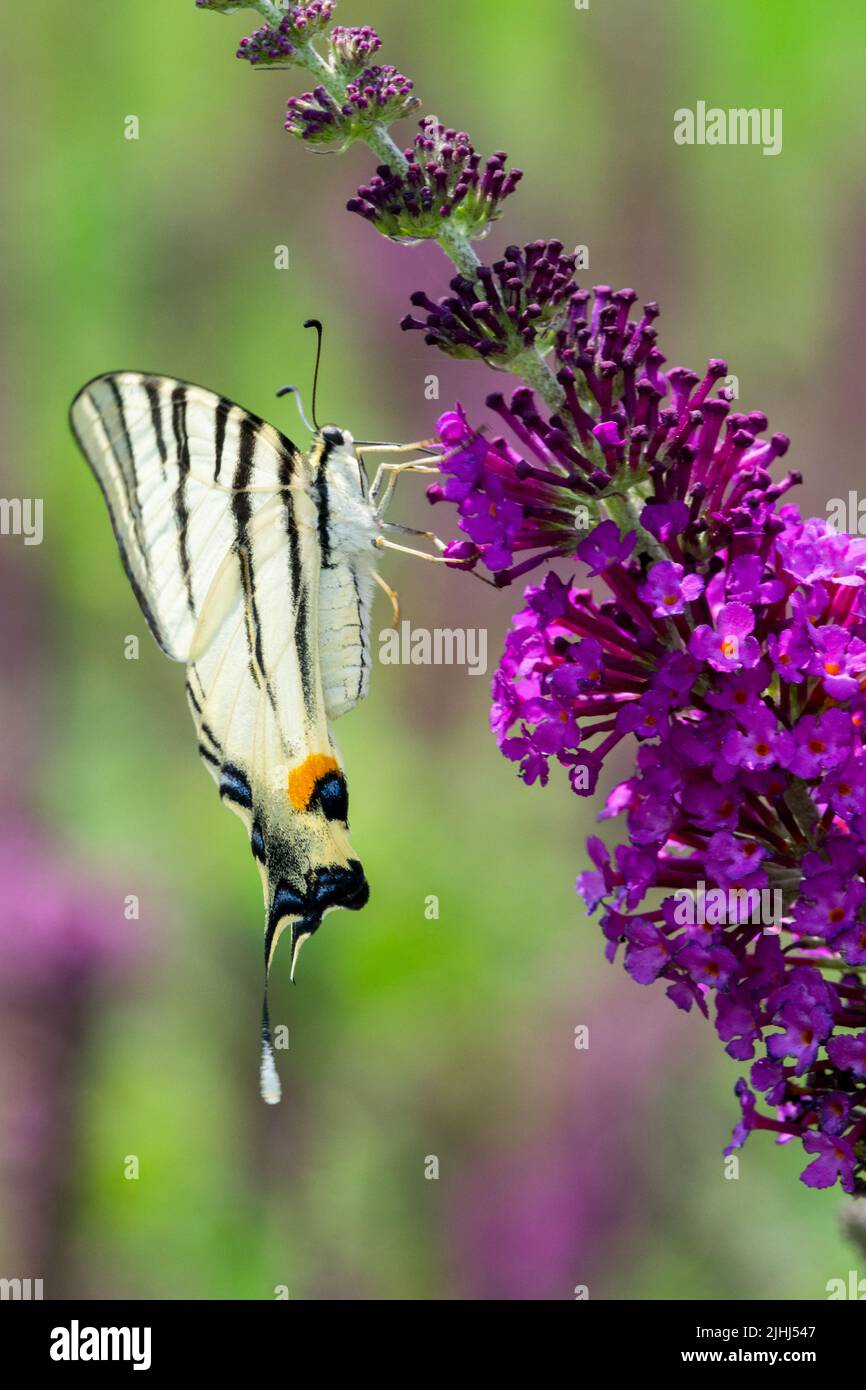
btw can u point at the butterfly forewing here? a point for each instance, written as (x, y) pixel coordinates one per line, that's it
(166, 455)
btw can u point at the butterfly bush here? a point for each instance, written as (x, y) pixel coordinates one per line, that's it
(724, 642)
(710, 642)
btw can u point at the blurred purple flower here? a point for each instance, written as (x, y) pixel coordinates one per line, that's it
(61, 938)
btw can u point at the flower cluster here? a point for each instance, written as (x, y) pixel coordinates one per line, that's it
(517, 303)
(624, 427)
(732, 647)
(443, 179)
(376, 96)
(277, 44)
(354, 47)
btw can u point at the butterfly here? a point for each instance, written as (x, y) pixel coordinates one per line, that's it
(254, 564)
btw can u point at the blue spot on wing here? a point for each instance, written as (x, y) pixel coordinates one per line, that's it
(331, 796)
(234, 786)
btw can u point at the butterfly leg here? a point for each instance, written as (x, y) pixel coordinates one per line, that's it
(382, 544)
(413, 531)
(427, 445)
(392, 595)
(391, 472)
(387, 475)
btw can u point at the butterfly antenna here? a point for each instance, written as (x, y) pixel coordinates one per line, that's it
(314, 323)
(293, 391)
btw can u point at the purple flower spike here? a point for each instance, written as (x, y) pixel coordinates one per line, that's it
(730, 653)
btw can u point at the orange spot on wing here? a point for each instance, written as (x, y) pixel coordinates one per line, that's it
(303, 778)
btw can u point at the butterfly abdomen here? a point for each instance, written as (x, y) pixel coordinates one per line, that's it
(346, 581)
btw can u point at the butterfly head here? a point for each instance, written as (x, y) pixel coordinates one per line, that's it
(334, 438)
(335, 454)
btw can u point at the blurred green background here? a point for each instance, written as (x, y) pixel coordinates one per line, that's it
(410, 1037)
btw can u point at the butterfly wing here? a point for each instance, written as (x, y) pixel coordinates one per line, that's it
(175, 464)
(221, 524)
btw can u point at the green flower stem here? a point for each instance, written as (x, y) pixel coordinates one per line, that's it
(803, 808)
(272, 13)
(459, 248)
(333, 83)
(841, 965)
(385, 149)
(532, 367)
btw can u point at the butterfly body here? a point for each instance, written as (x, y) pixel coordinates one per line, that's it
(347, 573)
(254, 565)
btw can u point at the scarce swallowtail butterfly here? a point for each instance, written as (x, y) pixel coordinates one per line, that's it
(253, 564)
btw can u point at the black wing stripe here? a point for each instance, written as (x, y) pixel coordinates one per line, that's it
(286, 470)
(241, 503)
(154, 400)
(322, 503)
(141, 598)
(181, 510)
(298, 588)
(192, 698)
(222, 414)
(126, 459)
(242, 509)
(202, 724)
(251, 616)
(302, 647)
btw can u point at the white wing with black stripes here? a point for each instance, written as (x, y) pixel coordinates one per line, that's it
(253, 565)
(167, 456)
